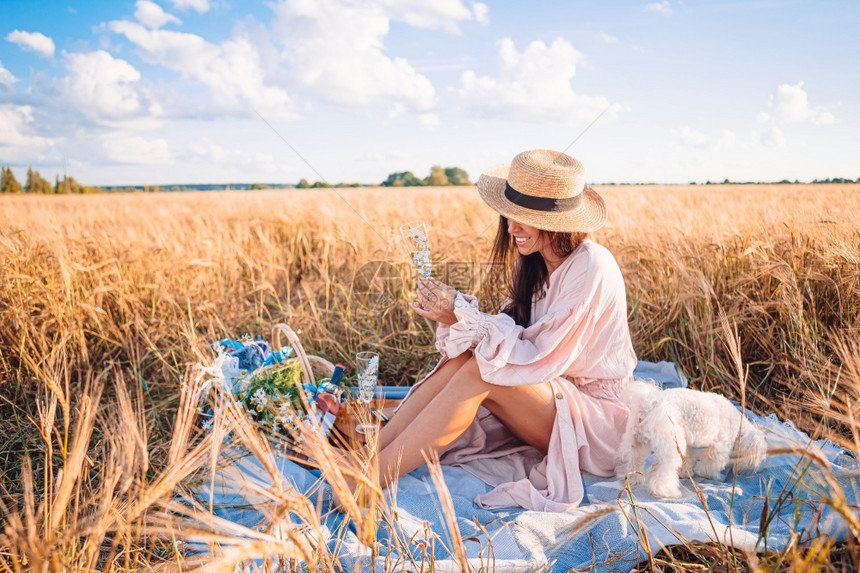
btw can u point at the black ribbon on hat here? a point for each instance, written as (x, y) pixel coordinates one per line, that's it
(541, 203)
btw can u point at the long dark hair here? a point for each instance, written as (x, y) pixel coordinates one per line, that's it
(528, 277)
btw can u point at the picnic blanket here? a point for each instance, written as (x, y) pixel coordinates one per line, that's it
(764, 511)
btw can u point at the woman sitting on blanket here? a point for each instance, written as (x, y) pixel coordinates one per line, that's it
(528, 398)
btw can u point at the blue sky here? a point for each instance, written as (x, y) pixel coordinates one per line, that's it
(173, 91)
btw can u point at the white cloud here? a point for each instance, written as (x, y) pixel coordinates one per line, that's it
(396, 110)
(33, 41)
(232, 70)
(17, 139)
(152, 15)
(663, 7)
(771, 137)
(6, 77)
(823, 117)
(136, 150)
(481, 12)
(200, 6)
(101, 86)
(790, 104)
(440, 14)
(428, 119)
(206, 153)
(688, 136)
(333, 47)
(609, 39)
(533, 85)
(336, 48)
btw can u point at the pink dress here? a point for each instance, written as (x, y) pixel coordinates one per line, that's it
(579, 342)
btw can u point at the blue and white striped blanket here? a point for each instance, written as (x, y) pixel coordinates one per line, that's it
(754, 513)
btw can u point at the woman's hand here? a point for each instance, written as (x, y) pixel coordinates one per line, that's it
(435, 301)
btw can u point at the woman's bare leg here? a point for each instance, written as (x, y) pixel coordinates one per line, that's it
(528, 411)
(419, 399)
(411, 407)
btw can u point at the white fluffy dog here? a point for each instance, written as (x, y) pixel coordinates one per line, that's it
(674, 422)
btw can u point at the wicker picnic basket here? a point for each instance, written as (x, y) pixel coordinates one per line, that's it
(313, 367)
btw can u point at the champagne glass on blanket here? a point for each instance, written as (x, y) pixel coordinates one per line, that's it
(367, 370)
(415, 237)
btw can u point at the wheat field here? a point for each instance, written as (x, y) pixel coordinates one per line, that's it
(106, 302)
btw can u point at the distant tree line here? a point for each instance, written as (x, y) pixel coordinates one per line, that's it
(728, 181)
(781, 182)
(304, 184)
(439, 177)
(35, 183)
(835, 180)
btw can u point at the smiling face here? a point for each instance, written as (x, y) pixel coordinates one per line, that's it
(528, 239)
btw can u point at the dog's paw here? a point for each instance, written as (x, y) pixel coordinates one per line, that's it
(709, 469)
(633, 477)
(665, 488)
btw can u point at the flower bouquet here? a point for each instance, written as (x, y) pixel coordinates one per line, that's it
(277, 388)
(415, 237)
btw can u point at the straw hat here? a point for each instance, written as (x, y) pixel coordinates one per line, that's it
(543, 189)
